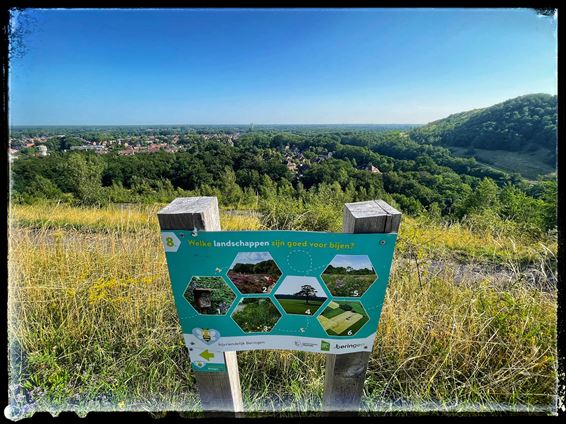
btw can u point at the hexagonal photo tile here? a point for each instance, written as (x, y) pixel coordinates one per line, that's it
(254, 272)
(349, 275)
(209, 295)
(300, 295)
(256, 315)
(343, 318)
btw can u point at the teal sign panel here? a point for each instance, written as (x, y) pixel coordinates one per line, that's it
(245, 290)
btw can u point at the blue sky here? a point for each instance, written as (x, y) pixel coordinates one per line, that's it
(276, 66)
(251, 258)
(354, 261)
(292, 285)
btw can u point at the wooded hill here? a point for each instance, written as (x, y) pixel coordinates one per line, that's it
(524, 126)
(522, 123)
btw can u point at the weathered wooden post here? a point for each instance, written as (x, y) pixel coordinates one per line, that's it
(345, 374)
(219, 391)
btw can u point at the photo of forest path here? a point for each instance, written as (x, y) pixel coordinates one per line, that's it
(256, 315)
(343, 318)
(300, 295)
(349, 275)
(254, 272)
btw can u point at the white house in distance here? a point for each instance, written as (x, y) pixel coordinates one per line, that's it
(42, 150)
(373, 169)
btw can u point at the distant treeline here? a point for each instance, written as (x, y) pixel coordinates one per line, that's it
(296, 297)
(268, 267)
(253, 173)
(111, 132)
(342, 270)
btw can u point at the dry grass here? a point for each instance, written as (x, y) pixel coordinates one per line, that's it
(474, 242)
(93, 326)
(113, 219)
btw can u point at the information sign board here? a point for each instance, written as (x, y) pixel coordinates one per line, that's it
(245, 290)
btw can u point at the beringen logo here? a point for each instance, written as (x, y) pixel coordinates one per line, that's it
(325, 346)
(348, 346)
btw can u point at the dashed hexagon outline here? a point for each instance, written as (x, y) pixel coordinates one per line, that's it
(345, 299)
(210, 315)
(349, 297)
(256, 297)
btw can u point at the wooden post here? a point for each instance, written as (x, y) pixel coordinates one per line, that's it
(345, 374)
(219, 391)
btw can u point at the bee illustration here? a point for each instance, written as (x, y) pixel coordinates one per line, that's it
(206, 334)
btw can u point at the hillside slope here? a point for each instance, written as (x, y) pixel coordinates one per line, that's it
(524, 126)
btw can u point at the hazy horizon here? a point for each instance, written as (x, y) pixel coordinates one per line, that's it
(214, 125)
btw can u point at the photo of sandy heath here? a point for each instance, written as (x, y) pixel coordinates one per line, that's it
(343, 318)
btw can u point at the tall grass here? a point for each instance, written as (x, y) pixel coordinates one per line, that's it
(93, 325)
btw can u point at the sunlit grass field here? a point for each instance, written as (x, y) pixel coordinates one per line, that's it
(92, 323)
(299, 306)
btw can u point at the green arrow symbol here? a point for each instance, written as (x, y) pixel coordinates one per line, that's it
(207, 355)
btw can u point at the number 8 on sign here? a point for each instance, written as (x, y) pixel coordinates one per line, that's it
(170, 241)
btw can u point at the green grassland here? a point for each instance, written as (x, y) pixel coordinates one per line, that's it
(256, 315)
(299, 306)
(331, 313)
(93, 326)
(345, 285)
(530, 164)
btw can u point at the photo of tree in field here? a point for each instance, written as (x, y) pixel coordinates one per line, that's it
(256, 315)
(300, 295)
(342, 318)
(349, 275)
(209, 295)
(254, 272)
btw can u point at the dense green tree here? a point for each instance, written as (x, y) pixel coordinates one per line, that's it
(231, 192)
(81, 175)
